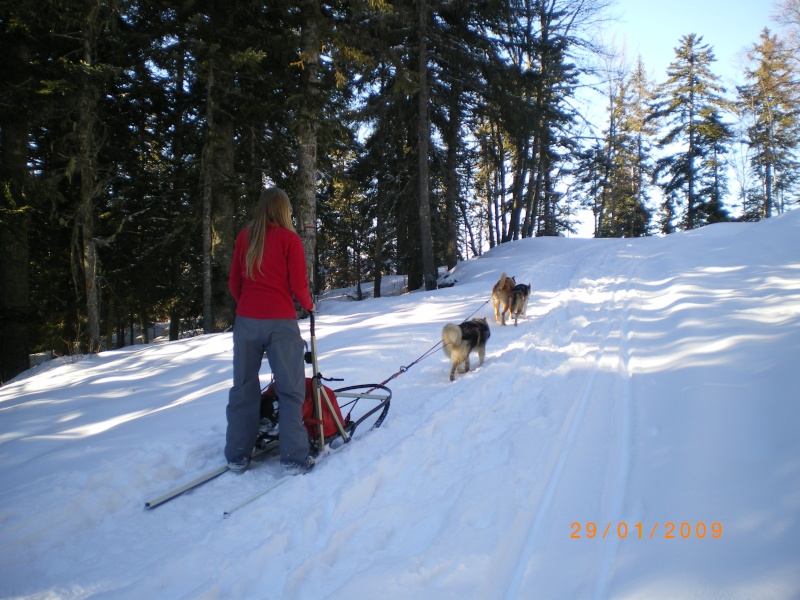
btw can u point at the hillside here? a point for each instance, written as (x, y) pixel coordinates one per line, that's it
(634, 437)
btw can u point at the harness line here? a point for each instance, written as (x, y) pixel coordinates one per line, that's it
(426, 354)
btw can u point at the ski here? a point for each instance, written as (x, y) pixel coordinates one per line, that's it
(256, 496)
(202, 479)
(329, 450)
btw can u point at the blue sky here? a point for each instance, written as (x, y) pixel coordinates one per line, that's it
(653, 29)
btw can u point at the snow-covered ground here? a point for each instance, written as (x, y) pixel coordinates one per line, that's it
(635, 437)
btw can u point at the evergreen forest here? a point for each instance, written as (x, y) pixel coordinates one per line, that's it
(136, 135)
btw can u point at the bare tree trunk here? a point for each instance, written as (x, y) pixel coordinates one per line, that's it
(530, 194)
(90, 265)
(220, 195)
(208, 308)
(468, 229)
(306, 201)
(768, 191)
(175, 312)
(517, 188)
(691, 201)
(226, 193)
(423, 142)
(490, 213)
(86, 158)
(451, 177)
(377, 256)
(500, 188)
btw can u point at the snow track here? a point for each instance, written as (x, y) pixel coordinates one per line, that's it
(623, 445)
(568, 450)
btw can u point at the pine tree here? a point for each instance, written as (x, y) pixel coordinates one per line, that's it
(17, 96)
(82, 64)
(621, 210)
(692, 101)
(771, 101)
(591, 177)
(640, 133)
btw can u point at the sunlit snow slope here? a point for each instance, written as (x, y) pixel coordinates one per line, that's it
(636, 436)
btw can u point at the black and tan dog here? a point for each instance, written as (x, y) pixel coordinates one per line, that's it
(460, 340)
(519, 300)
(501, 296)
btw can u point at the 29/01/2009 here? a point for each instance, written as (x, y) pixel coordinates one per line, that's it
(668, 530)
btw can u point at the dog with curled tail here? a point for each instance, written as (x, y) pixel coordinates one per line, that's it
(460, 340)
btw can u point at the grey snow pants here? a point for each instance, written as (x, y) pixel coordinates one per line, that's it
(281, 340)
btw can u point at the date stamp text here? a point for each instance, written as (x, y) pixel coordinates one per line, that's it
(668, 530)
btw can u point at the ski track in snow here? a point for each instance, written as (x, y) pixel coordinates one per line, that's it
(624, 443)
(614, 330)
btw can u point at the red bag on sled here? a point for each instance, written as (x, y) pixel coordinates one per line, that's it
(312, 425)
(328, 423)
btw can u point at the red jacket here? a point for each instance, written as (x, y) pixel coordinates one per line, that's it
(282, 276)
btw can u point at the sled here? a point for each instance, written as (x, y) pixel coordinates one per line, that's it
(365, 405)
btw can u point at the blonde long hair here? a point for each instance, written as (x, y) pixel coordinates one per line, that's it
(273, 207)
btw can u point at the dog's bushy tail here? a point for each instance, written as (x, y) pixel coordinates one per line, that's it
(451, 336)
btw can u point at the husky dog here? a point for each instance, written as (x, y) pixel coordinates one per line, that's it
(519, 300)
(460, 340)
(501, 296)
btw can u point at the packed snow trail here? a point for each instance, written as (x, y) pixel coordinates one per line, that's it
(653, 382)
(596, 416)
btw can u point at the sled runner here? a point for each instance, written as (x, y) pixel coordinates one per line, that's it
(327, 421)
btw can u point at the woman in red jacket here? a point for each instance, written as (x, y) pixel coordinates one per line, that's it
(267, 274)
